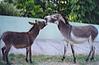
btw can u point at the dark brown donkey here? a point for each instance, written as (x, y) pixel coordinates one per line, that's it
(74, 34)
(21, 40)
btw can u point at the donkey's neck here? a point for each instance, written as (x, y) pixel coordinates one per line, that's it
(34, 31)
(64, 28)
(63, 25)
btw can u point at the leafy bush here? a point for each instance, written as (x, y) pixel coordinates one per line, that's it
(86, 11)
(8, 9)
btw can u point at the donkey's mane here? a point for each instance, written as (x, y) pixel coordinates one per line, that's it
(64, 17)
(66, 20)
(32, 28)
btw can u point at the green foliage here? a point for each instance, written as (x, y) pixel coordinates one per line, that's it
(8, 9)
(83, 11)
(28, 8)
(86, 11)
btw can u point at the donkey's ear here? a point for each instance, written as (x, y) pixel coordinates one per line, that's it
(31, 23)
(35, 20)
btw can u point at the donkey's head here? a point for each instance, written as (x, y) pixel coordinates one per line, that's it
(55, 18)
(52, 18)
(38, 24)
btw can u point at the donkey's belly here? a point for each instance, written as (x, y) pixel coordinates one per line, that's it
(21, 46)
(76, 40)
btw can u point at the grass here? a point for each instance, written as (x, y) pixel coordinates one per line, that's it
(19, 59)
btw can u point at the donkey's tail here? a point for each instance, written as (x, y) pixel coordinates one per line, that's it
(0, 45)
(0, 37)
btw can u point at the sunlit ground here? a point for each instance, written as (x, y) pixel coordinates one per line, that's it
(50, 60)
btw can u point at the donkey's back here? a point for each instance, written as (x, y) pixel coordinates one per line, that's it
(85, 31)
(17, 39)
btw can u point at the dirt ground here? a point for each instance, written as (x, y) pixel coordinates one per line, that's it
(61, 63)
(57, 63)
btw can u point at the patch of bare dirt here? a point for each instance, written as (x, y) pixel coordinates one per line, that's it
(57, 63)
(93, 63)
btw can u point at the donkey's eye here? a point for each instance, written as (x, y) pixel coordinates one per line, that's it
(54, 16)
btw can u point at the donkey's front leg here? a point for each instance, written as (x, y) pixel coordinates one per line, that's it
(26, 54)
(30, 54)
(64, 53)
(73, 52)
(65, 49)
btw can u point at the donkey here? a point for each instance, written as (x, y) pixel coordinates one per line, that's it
(74, 34)
(21, 40)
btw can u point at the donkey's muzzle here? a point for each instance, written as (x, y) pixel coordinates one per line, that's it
(45, 18)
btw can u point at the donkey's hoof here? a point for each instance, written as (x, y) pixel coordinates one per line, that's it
(62, 59)
(30, 61)
(92, 59)
(74, 61)
(8, 63)
(26, 60)
(87, 60)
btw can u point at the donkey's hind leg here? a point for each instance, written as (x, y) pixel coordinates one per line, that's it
(93, 54)
(88, 55)
(3, 52)
(87, 59)
(92, 50)
(6, 53)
